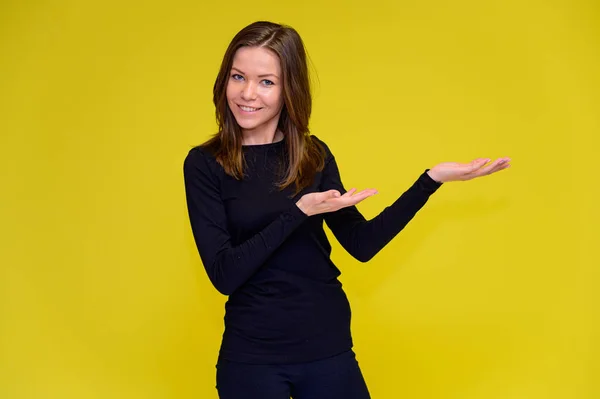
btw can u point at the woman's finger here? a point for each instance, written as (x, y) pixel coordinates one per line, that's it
(324, 196)
(352, 192)
(499, 164)
(479, 163)
(493, 167)
(350, 198)
(349, 192)
(358, 197)
(345, 201)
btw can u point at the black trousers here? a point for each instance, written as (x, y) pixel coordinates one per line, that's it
(337, 377)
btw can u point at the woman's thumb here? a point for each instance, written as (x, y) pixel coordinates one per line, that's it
(333, 194)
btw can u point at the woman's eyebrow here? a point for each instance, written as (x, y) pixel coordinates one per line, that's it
(260, 76)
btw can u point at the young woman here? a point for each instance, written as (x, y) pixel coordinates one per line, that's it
(258, 193)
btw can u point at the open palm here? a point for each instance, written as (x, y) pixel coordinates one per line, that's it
(331, 201)
(455, 171)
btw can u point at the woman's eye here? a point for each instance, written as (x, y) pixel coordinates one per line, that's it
(236, 76)
(268, 82)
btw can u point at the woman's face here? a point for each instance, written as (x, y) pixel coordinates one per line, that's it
(254, 90)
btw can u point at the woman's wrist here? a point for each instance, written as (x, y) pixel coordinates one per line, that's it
(300, 205)
(431, 173)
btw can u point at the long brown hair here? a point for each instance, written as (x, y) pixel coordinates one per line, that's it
(305, 155)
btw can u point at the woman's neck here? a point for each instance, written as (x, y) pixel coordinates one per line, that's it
(267, 138)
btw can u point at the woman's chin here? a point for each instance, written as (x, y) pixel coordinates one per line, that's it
(248, 126)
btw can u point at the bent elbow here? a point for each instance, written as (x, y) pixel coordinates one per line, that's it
(224, 291)
(364, 256)
(360, 249)
(224, 287)
(223, 281)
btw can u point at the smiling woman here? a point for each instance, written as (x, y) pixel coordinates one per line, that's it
(258, 193)
(254, 94)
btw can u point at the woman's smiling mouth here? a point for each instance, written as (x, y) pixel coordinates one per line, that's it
(248, 109)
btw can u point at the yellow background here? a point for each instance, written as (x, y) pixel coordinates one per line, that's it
(492, 290)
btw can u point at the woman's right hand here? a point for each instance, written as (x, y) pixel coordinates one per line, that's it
(331, 201)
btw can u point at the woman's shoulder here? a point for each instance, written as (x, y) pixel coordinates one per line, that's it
(324, 147)
(202, 157)
(198, 153)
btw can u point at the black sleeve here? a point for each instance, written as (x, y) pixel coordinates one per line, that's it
(364, 239)
(227, 266)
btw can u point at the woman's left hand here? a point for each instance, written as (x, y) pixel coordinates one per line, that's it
(454, 171)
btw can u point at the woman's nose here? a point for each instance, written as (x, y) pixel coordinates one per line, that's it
(249, 91)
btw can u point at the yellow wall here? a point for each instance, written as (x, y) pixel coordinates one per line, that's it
(491, 292)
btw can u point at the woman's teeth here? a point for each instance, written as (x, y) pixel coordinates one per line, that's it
(248, 109)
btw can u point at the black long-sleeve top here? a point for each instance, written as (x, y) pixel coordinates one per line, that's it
(285, 304)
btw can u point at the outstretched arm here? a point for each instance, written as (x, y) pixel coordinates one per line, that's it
(363, 238)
